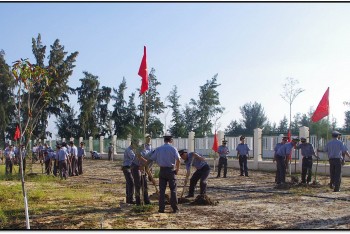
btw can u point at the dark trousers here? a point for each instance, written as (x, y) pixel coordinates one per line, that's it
(140, 178)
(243, 167)
(69, 166)
(222, 162)
(75, 166)
(281, 169)
(306, 169)
(335, 172)
(63, 169)
(167, 175)
(129, 189)
(48, 167)
(8, 165)
(110, 155)
(55, 167)
(202, 175)
(80, 165)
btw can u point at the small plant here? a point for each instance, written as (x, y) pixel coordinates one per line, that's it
(142, 209)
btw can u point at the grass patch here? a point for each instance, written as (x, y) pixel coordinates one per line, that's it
(142, 209)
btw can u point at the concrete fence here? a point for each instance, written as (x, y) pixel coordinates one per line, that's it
(262, 149)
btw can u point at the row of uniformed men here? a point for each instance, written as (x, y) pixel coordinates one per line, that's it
(68, 159)
(168, 159)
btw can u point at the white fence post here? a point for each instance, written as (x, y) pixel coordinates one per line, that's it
(91, 144)
(101, 144)
(190, 141)
(257, 147)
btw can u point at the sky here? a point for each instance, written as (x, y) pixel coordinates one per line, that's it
(253, 47)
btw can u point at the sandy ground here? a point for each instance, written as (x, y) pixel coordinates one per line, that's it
(242, 203)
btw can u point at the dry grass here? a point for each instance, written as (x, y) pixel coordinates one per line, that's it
(95, 200)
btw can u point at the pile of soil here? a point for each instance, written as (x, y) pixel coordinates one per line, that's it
(204, 200)
(182, 200)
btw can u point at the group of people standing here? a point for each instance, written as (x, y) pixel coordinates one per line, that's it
(242, 155)
(66, 160)
(136, 161)
(335, 149)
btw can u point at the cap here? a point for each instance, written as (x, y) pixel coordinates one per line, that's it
(242, 137)
(64, 144)
(335, 134)
(71, 142)
(182, 151)
(284, 138)
(167, 136)
(303, 139)
(224, 141)
(147, 135)
(295, 139)
(82, 143)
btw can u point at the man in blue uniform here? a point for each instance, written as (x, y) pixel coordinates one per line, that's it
(336, 150)
(278, 145)
(282, 153)
(243, 155)
(81, 155)
(168, 159)
(140, 179)
(307, 151)
(223, 152)
(202, 172)
(129, 157)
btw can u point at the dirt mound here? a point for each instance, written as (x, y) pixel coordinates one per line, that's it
(155, 197)
(182, 200)
(204, 200)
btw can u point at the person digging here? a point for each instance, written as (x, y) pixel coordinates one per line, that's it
(202, 172)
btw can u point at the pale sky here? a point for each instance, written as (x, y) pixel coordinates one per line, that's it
(252, 46)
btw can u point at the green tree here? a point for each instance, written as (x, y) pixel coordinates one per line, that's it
(7, 83)
(178, 128)
(253, 116)
(59, 90)
(87, 98)
(346, 126)
(103, 113)
(120, 112)
(208, 106)
(234, 129)
(68, 124)
(190, 117)
(283, 125)
(154, 105)
(31, 98)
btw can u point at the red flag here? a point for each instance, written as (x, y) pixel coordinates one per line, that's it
(17, 134)
(215, 144)
(322, 109)
(143, 73)
(289, 135)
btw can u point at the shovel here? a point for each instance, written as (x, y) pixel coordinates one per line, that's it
(315, 180)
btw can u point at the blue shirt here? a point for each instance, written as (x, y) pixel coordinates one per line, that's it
(243, 149)
(165, 155)
(335, 149)
(223, 151)
(129, 156)
(285, 150)
(198, 164)
(62, 154)
(74, 151)
(81, 152)
(307, 149)
(278, 145)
